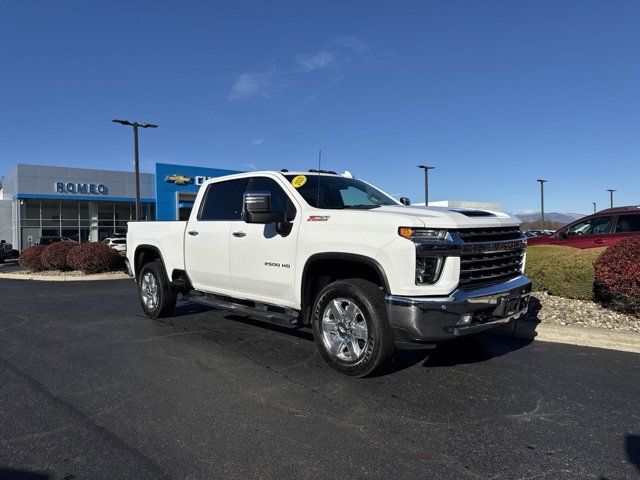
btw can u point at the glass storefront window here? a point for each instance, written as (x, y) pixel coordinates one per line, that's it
(50, 210)
(80, 221)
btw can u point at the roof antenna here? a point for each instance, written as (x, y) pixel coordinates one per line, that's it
(318, 182)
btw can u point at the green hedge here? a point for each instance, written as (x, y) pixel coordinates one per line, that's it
(563, 271)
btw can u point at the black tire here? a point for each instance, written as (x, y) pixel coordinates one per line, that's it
(379, 339)
(166, 297)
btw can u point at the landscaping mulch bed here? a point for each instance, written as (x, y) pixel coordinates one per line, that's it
(58, 273)
(565, 311)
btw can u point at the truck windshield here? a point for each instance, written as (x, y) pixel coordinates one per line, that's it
(334, 192)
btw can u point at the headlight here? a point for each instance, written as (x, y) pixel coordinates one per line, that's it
(422, 233)
(428, 269)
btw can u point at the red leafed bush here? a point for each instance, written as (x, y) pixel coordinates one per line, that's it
(31, 258)
(73, 258)
(54, 256)
(93, 258)
(617, 279)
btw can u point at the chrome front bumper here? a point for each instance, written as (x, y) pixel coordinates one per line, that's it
(423, 320)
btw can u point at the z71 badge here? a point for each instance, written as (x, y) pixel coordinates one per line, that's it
(318, 218)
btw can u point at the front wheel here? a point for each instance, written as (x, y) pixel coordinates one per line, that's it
(350, 327)
(156, 296)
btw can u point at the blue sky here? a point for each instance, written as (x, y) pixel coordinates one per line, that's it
(495, 94)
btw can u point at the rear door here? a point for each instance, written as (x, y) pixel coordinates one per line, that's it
(628, 225)
(206, 241)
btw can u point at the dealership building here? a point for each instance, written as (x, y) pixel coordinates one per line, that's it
(91, 205)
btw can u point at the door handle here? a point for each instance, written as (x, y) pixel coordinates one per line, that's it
(239, 234)
(193, 233)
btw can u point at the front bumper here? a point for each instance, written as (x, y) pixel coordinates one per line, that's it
(425, 320)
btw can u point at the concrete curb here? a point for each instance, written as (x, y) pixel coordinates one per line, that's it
(64, 278)
(573, 335)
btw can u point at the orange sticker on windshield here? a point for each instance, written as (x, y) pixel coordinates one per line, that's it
(298, 181)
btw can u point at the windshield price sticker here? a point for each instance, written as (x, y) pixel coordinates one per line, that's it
(298, 181)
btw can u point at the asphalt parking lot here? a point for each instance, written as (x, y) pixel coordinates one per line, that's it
(92, 389)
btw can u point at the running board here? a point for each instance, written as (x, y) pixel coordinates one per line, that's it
(282, 316)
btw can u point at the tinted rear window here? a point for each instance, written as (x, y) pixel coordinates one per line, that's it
(223, 200)
(628, 223)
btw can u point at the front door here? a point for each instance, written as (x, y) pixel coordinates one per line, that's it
(589, 233)
(263, 259)
(206, 245)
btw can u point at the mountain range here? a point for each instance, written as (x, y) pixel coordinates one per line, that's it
(530, 216)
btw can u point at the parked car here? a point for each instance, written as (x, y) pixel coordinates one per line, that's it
(48, 240)
(601, 229)
(6, 251)
(119, 244)
(366, 272)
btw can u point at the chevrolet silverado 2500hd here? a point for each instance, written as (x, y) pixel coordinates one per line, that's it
(317, 249)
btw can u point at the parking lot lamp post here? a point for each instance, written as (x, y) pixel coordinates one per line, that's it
(542, 182)
(594, 207)
(611, 190)
(426, 182)
(136, 162)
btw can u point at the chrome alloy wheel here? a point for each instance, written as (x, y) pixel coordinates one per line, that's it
(344, 330)
(149, 290)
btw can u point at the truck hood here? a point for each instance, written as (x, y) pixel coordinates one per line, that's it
(445, 217)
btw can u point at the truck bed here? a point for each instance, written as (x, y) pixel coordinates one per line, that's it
(168, 237)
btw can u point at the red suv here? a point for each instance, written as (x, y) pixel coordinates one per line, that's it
(598, 230)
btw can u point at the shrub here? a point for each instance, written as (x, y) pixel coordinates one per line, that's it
(73, 257)
(93, 258)
(617, 276)
(563, 271)
(54, 256)
(31, 258)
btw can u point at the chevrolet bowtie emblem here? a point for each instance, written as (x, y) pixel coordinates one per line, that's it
(178, 179)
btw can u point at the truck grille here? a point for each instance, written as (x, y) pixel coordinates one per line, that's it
(490, 255)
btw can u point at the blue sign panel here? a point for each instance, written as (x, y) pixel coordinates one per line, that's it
(172, 180)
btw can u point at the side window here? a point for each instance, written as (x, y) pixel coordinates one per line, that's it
(628, 223)
(592, 226)
(280, 201)
(223, 201)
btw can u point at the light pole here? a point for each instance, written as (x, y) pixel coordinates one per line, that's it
(594, 207)
(426, 182)
(611, 190)
(542, 182)
(136, 163)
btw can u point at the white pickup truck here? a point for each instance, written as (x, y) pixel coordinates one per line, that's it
(366, 272)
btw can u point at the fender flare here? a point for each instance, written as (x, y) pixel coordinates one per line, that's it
(145, 246)
(368, 261)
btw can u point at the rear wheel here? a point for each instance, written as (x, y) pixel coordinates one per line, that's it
(156, 296)
(350, 327)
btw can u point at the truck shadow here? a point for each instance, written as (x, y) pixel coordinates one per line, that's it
(10, 474)
(473, 349)
(632, 445)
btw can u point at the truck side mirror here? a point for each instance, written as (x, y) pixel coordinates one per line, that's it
(405, 201)
(256, 208)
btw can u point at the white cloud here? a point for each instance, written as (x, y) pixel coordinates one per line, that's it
(316, 61)
(335, 56)
(250, 166)
(257, 141)
(352, 43)
(249, 85)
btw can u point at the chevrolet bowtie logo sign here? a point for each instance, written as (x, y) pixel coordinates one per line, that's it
(178, 179)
